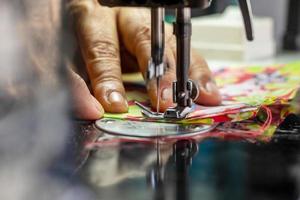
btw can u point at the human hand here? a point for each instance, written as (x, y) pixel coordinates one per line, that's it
(116, 39)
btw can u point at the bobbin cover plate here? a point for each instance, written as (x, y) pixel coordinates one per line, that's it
(150, 129)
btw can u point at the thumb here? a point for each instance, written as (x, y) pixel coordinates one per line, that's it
(84, 105)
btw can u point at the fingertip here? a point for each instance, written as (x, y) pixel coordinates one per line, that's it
(98, 106)
(85, 106)
(209, 94)
(90, 109)
(118, 103)
(112, 101)
(164, 97)
(112, 96)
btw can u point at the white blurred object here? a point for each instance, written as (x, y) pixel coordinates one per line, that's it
(222, 36)
(277, 10)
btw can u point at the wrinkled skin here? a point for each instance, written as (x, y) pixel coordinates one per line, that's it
(113, 40)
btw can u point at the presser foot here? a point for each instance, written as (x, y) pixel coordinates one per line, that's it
(170, 113)
(177, 112)
(148, 113)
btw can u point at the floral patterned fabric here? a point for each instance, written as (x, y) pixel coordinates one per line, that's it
(244, 91)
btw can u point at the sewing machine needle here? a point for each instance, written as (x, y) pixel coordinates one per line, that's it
(158, 94)
(157, 47)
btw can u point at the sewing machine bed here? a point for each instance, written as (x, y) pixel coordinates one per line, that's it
(216, 168)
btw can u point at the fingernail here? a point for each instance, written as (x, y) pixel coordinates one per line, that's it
(211, 87)
(117, 99)
(166, 94)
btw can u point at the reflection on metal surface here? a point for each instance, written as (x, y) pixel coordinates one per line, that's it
(150, 129)
(220, 170)
(181, 160)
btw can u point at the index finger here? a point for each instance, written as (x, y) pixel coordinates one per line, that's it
(98, 39)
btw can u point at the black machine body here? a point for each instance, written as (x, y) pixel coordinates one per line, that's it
(157, 3)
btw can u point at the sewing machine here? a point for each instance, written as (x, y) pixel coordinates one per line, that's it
(185, 91)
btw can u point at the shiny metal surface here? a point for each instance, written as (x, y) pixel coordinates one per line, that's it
(154, 3)
(210, 168)
(156, 63)
(150, 129)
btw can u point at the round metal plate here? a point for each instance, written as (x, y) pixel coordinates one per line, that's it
(150, 129)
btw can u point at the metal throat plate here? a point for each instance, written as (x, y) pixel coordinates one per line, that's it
(150, 129)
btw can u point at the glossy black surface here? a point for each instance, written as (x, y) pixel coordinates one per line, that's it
(157, 3)
(206, 169)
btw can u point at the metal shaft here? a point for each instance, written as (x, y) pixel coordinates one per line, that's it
(157, 47)
(247, 16)
(183, 31)
(157, 35)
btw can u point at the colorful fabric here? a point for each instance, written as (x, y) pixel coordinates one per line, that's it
(244, 91)
(261, 128)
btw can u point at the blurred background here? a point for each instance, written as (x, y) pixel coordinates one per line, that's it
(284, 14)
(219, 35)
